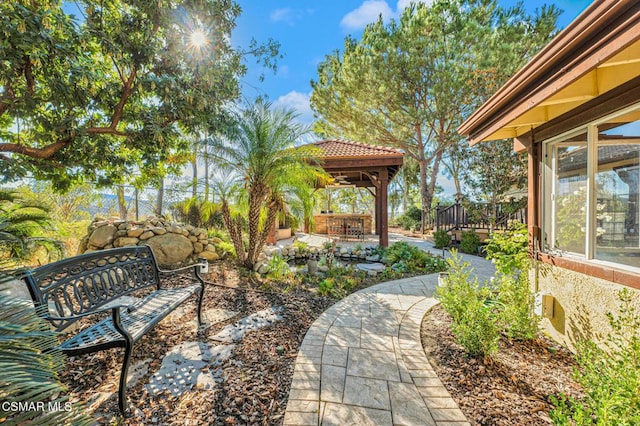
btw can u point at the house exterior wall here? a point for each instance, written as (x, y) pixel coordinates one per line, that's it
(580, 304)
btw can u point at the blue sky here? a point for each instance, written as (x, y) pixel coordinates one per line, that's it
(308, 30)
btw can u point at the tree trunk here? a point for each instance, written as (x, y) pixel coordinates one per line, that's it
(235, 232)
(122, 203)
(256, 197)
(424, 196)
(160, 200)
(194, 168)
(206, 174)
(272, 214)
(435, 168)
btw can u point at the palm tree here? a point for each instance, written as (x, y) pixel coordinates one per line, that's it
(262, 153)
(22, 225)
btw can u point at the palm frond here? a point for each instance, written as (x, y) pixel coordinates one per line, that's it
(29, 367)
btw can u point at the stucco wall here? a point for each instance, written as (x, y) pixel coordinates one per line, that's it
(580, 304)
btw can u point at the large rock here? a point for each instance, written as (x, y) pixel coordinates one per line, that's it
(102, 236)
(209, 255)
(170, 248)
(125, 241)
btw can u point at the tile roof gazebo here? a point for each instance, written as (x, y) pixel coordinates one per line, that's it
(364, 166)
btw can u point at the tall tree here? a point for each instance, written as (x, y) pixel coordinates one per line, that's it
(410, 83)
(495, 169)
(261, 152)
(95, 96)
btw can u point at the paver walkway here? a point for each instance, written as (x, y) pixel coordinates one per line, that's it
(362, 361)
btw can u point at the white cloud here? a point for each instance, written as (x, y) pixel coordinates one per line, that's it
(367, 13)
(287, 15)
(299, 102)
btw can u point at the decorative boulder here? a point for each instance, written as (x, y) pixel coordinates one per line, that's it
(173, 244)
(102, 236)
(170, 248)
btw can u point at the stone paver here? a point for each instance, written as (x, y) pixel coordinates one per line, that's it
(367, 353)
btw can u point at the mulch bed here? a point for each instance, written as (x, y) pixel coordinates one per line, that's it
(255, 379)
(512, 389)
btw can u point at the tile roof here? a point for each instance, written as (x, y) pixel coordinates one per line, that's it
(343, 148)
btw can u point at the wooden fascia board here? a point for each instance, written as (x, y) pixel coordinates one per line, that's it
(360, 163)
(604, 29)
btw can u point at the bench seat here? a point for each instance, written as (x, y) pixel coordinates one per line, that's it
(136, 319)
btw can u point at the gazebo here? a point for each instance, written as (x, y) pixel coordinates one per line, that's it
(355, 164)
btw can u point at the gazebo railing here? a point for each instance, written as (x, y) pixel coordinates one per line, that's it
(476, 216)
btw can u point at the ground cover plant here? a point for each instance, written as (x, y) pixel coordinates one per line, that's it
(610, 375)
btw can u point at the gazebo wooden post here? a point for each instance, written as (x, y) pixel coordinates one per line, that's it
(382, 202)
(377, 210)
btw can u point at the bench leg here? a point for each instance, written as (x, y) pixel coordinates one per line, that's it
(122, 389)
(200, 298)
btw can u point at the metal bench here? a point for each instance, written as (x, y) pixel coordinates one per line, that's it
(83, 286)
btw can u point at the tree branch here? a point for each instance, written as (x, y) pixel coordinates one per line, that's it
(40, 153)
(28, 75)
(117, 112)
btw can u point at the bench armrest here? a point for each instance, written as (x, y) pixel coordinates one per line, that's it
(195, 268)
(184, 268)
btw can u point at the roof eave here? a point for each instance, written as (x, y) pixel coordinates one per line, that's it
(596, 17)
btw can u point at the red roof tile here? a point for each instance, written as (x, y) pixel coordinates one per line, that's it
(342, 148)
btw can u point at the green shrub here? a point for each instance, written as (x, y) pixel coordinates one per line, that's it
(441, 239)
(516, 317)
(227, 248)
(509, 252)
(339, 282)
(469, 242)
(413, 259)
(474, 325)
(477, 331)
(278, 268)
(610, 378)
(411, 218)
(509, 249)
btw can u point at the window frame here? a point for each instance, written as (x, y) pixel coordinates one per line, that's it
(548, 195)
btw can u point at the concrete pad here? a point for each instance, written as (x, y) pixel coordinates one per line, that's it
(407, 406)
(373, 364)
(332, 383)
(335, 355)
(363, 392)
(344, 415)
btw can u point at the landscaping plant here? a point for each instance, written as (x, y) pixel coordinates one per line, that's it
(278, 268)
(473, 321)
(509, 251)
(412, 259)
(441, 239)
(610, 376)
(469, 242)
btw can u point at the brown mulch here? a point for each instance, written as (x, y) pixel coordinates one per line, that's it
(254, 381)
(514, 388)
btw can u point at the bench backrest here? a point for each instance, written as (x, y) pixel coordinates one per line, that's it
(83, 283)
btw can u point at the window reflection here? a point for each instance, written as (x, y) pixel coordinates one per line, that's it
(618, 190)
(571, 195)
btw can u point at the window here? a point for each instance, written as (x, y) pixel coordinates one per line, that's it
(591, 191)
